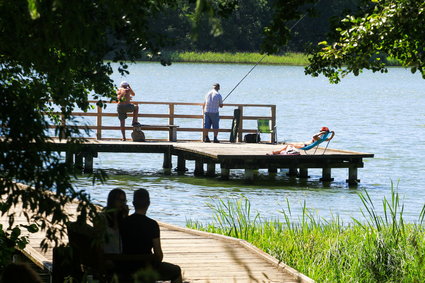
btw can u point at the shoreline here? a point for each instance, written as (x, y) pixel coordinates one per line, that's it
(288, 59)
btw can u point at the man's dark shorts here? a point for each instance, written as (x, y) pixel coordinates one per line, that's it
(211, 119)
(123, 109)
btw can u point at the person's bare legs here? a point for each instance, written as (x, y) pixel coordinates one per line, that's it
(122, 126)
(135, 113)
(279, 151)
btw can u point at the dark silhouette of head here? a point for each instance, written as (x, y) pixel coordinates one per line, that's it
(141, 199)
(113, 196)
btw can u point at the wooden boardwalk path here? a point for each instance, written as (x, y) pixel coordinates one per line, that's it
(203, 257)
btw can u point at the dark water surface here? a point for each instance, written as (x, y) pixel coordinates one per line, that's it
(375, 113)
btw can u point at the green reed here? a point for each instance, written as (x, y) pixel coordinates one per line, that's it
(379, 248)
(291, 58)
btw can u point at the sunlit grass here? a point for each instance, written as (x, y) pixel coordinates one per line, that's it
(378, 248)
(241, 57)
(290, 58)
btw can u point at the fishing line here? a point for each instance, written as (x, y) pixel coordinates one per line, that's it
(264, 56)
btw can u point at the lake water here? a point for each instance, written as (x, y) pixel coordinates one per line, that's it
(375, 113)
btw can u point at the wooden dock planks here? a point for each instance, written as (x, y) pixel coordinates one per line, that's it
(254, 150)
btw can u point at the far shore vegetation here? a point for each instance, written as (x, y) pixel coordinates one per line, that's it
(289, 58)
(379, 248)
(292, 58)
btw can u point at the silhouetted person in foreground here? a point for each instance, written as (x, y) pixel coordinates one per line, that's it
(19, 272)
(140, 235)
(108, 222)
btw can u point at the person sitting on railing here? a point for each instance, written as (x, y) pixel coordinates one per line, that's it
(124, 94)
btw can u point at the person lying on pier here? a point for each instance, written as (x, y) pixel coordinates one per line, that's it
(292, 149)
(141, 235)
(124, 95)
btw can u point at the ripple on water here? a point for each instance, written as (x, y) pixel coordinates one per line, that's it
(377, 113)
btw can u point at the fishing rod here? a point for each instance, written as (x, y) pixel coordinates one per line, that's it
(264, 56)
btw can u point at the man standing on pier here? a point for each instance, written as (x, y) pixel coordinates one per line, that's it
(212, 102)
(124, 94)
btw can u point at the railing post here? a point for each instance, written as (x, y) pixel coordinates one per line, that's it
(273, 136)
(62, 134)
(202, 126)
(171, 113)
(240, 137)
(99, 123)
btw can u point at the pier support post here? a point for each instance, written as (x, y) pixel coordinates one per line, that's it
(326, 175)
(181, 164)
(167, 164)
(225, 173)
(304, 173)
(79, 160)
(249, 174)
(199, 167)
(69, 158)
(210, 169)
(293, 172)
(88, 163)
(352, 176)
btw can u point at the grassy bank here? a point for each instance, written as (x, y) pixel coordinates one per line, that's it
(377, 249)
(239, 58)
(290, 58)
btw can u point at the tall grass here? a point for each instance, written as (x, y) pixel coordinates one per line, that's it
(290, 58)
(378, 248)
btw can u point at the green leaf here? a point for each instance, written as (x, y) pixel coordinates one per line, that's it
(32, 8)
(33, 228)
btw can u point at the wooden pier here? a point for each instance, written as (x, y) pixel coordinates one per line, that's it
(203, 257)
(228, 156)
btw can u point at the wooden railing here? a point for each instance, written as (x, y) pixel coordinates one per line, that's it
(172, 114)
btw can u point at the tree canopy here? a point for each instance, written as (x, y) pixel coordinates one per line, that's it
(393, 28)
(51, 59)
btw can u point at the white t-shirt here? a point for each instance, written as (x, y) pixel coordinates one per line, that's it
(213, 101)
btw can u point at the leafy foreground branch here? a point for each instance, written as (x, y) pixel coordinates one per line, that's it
(379, 249)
